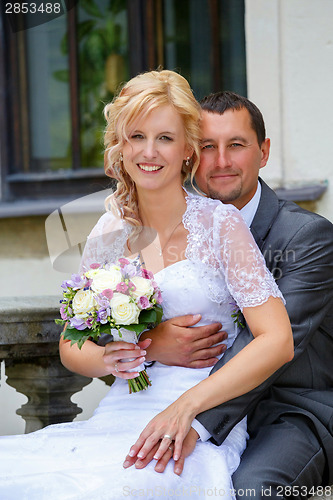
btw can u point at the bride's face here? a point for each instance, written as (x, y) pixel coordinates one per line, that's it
(154, 154)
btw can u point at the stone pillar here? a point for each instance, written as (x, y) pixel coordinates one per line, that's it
(48, 386)
(29, 345)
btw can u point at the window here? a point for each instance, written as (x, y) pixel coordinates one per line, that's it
(58, 75)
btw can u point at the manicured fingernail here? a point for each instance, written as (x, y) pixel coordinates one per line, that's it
(176, 457)
(137, 347)
(140, 455)
(126, 464)
(144, 353)
(177, 471)
(196, 316)
(132, 453)
(156, 457)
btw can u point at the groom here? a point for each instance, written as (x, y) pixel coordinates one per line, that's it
(290, 416)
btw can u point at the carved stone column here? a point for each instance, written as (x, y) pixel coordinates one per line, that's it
(48, 386)
(29, 345)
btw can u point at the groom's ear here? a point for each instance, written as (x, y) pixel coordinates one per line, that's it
(265, 147)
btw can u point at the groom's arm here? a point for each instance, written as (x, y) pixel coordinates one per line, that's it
(306, 281)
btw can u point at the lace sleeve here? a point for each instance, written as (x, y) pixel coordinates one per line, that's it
(246, 275)
(106, 242)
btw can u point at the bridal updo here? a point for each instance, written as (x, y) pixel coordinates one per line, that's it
(137, 99)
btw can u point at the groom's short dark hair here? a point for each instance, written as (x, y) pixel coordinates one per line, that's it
(219, 102)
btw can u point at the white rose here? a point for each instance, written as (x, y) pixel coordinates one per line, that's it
(106, 279)
(143, 287)
(83, 303)
(123, 311)
(91, 273)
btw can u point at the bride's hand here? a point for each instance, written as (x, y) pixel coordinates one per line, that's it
(188, 447)
(170, 427)
(116, 352)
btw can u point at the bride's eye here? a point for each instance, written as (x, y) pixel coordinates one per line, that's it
(166, 138)
(137, 136)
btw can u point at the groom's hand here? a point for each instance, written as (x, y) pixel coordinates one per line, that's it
(174, 343)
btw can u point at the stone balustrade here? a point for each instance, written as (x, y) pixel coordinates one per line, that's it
(29, 347)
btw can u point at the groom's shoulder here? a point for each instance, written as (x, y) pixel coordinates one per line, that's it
(291, 219)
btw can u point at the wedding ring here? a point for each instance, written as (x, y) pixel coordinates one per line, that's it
(116, 367)
(170, 448)
(167, 436)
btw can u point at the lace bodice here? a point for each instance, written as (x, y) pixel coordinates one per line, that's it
(219, 244)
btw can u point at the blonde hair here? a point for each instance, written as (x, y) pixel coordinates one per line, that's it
(138, 98)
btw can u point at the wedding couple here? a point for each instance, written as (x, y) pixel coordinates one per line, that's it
(206, 261)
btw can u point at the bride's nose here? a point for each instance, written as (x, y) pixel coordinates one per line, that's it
(149, 150)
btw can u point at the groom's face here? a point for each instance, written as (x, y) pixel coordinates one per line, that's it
(230, 157)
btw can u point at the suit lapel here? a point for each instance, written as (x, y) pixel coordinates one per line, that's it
(266, 213)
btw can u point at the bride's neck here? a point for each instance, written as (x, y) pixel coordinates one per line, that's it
(161, 212)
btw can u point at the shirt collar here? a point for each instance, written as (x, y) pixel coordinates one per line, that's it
(249, 210)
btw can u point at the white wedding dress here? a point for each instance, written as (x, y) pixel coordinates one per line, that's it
(83, 460)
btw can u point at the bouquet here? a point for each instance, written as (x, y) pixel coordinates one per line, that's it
(118, 299)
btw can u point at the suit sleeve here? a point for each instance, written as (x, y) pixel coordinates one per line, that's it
(304, 273)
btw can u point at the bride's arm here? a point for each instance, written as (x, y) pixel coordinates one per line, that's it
(271, 348)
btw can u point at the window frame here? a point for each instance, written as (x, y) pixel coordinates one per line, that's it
(145, 31)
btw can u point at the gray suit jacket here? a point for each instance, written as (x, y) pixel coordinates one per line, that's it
(298, 248)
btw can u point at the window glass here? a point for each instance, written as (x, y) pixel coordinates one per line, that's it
(103, 65)
(205, 42)
(48, 97)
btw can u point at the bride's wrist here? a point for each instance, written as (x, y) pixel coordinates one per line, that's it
(189, 405)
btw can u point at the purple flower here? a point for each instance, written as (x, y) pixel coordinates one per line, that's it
(122, 287)
(76, 282)
(102, 301)
(89, 321)
(77, 323)
(130, 270)
(63, 313)
(102, 315)
(143, 302)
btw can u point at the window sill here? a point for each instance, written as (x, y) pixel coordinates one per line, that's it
(311, 192)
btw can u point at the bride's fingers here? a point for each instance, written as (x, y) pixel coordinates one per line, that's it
(166, 443)
(163, 462)
(140, 448)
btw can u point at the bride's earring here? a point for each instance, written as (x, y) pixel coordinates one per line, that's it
(187, 161)
(121, 157)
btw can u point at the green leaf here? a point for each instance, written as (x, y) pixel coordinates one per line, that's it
(91, 8)
(85, 28)
(147, 316)
(135, 328)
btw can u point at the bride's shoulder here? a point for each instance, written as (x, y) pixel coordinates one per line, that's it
(207, 206)
(110, 221)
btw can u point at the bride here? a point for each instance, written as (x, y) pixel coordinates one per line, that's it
(205, 262)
